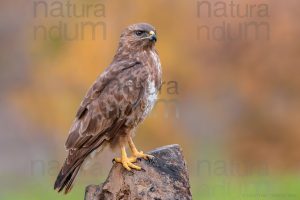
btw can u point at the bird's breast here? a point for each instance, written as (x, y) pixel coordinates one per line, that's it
(151, 87)
(150, 97)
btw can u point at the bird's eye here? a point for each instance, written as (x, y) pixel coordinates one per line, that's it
(139, 33)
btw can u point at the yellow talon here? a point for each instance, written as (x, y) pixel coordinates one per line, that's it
(136, 153)
(130, 159)
(127, 162)
(140, 154)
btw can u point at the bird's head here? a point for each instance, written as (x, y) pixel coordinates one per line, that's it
(141, 35)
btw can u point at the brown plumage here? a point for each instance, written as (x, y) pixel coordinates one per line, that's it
(120, 98)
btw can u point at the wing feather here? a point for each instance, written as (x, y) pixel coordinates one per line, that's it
(102, 113)
(98, 111)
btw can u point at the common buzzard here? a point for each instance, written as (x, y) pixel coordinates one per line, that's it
(121, 97)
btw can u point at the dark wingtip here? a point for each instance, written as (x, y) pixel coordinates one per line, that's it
(64, 181)
(58, 182)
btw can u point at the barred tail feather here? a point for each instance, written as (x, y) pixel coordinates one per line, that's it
(65, 178)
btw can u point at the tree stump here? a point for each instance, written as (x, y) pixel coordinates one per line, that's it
(164, 177)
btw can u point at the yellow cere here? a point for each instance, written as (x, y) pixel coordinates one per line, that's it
(151, 33)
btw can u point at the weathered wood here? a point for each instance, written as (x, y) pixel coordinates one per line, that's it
(164, 177)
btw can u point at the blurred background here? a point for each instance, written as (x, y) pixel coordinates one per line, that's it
(230, 98)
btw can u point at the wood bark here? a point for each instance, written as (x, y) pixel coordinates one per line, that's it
(165, 177)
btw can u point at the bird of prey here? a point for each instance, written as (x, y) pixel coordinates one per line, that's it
(120, 98)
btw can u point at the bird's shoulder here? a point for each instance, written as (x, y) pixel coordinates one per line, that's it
(117, 74)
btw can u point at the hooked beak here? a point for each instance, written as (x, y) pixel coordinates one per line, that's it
(152, 36)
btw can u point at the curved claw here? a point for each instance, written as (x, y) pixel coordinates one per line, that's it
(136, 153)
(130, 159)
(140, 154)
(128, 163)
